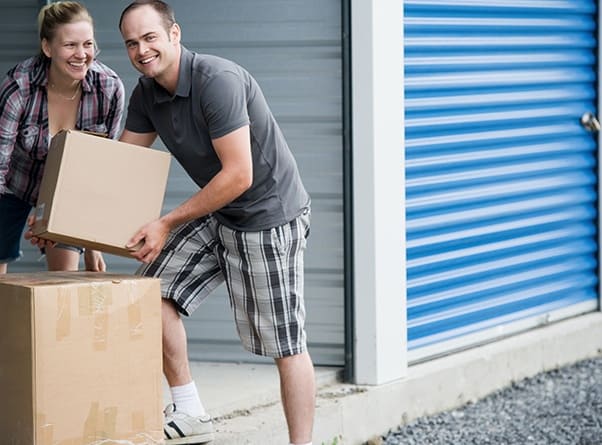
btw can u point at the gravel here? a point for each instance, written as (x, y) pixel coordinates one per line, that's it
(563, 406)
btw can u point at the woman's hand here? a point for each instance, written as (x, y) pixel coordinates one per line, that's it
(94, 261)
(40, 242)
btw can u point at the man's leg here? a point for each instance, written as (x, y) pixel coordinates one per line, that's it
(175, 350)
(186, 419)
(187, 256)
(298, 392)
(176, 366)
(264, 274)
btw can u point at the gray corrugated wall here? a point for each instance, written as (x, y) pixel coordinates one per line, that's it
(18, 29)
(293, 48)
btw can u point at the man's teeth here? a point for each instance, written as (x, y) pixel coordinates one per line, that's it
(145, 61)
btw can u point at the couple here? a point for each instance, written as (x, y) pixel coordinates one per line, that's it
(246, 225)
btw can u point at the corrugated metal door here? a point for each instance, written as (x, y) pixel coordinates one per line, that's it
(501, 176)
(18, 31)
(293, 48)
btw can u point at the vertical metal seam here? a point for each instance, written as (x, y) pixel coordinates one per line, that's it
(348, 253)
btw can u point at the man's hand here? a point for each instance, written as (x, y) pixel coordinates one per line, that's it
(94, 261)
(153, 236)
(40, 242)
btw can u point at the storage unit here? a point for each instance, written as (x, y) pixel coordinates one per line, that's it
(294, 50)
(501, 195)
(501, 176)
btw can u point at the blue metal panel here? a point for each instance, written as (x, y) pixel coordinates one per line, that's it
(501, 177)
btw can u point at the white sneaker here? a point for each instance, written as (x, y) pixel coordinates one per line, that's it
(180, 428)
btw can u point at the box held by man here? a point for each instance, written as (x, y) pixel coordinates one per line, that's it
(97, 192)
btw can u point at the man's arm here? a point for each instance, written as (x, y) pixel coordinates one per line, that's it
(143, 139)
(234, 178)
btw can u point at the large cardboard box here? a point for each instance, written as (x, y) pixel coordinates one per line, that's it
(80, 359)
(97, 192)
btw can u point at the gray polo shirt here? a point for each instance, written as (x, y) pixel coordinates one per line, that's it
(214, 97)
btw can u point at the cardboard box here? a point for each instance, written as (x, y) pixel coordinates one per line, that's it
(80, 359)
(98, 192)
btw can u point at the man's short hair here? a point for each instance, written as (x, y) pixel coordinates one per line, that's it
(165, 11)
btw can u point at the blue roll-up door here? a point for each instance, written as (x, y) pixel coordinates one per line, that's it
(501, 176)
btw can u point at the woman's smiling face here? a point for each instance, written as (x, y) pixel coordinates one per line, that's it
(72, 49)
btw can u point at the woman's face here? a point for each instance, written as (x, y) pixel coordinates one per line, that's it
(71, 50)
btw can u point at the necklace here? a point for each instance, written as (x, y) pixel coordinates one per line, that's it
(77, 90)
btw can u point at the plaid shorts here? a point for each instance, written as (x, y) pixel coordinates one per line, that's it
(263, 272)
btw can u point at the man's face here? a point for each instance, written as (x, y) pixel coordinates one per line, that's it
(151, 48)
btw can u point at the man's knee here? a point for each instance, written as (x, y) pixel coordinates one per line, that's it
(168, 310)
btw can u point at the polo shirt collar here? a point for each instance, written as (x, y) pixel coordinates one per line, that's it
(184, 79)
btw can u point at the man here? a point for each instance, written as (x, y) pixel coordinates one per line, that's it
(246, 225)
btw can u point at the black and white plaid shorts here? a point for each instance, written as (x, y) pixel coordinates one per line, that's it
(263, 272)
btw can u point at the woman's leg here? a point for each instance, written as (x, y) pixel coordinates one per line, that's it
(13, 214)
(62, 259)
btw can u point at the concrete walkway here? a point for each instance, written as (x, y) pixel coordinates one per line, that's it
(244, 398)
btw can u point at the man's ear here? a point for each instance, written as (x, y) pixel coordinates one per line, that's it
(46, 48)
(175, 33)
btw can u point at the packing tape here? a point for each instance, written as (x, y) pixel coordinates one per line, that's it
(108, 428)
(91, 423)
(141, 439)
(99, 422)
(135, 324)
(94, 302)
(85, 306)
(46, 430)
(110, 421)
(100, 301)
(138, 421)
(63, 313)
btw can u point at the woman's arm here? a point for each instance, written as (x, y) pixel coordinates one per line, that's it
(115, 114)
(11, 110)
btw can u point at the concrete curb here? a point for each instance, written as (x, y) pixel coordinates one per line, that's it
(351, 414)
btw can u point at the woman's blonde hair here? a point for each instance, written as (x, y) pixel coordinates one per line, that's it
(60, 13)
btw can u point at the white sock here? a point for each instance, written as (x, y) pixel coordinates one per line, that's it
(186, 398)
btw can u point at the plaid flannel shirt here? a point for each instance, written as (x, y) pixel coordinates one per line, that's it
(24, 134)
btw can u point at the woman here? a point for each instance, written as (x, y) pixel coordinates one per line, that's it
(63, 87)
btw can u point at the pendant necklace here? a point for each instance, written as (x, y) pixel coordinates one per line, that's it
(63, 96)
